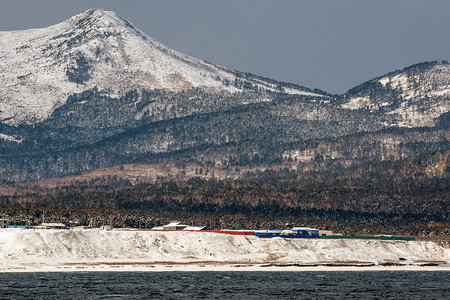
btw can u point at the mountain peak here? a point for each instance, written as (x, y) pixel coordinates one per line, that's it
(96, 17)
(94, 13)
(41, 68)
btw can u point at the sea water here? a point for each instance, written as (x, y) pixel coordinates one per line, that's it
(226, 285)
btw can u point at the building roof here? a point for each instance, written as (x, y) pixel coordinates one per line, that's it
(193, 228)
(53, 224)
(303, 228)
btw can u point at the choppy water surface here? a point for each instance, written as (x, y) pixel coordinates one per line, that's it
(226, 285)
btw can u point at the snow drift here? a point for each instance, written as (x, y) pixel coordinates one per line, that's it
(28, 248)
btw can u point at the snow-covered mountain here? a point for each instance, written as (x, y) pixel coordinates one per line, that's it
(95, 92)
(415, 96)
(41, 68)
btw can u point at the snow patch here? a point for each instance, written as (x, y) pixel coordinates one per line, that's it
(356, 103)
(10, 138)
(400, 81)
(413, 115)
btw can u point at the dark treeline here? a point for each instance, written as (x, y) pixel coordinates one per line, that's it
(275, 201)
(271, 197)
(346, 222)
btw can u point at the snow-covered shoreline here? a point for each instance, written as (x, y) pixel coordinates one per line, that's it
(96, 250)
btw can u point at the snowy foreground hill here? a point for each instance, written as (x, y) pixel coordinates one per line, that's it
(59, 250)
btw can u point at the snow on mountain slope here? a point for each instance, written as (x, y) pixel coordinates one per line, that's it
(415, 96)
(420, 92)
(61, 247)
(434, 81)
(40, 68)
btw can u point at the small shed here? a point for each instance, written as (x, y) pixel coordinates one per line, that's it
(51, 226)
(325, 232)
(3, 223)
(174, 226)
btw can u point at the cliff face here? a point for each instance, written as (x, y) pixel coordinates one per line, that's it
(95, 92)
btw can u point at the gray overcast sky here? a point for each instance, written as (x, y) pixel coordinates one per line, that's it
(328, 44)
